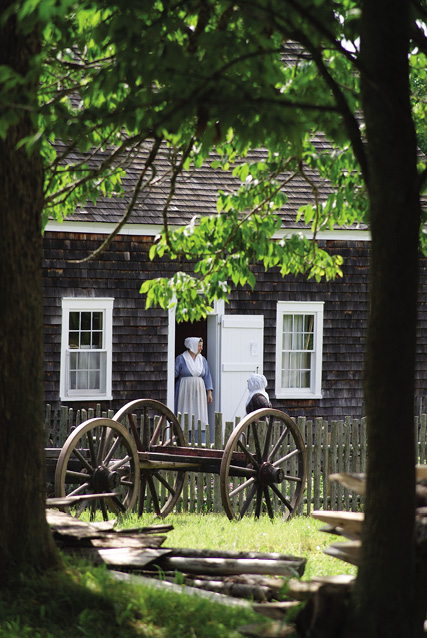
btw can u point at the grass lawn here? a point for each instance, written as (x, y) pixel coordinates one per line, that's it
(85, 601)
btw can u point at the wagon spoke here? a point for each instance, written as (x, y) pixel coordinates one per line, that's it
(269, 424)
(285, 458)
(241, 487)
(80, 476)
(268, 502)
(79, 489)
(248, 500)
(256, 441)
(295, 479)
(117, 464)
(282, 498)
(135, 433)
(154, 496)
(157, 430)
(93, 455)
(248, 454)
(164, 482)
(120, 508)
(277, 445)
(142, 486)
(81, 507)
(83, 460)
(101, 446)
(258, 501)
(145, 429)
(104, 510)
(111, 451)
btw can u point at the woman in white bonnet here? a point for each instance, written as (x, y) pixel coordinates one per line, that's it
(193, 387)
(258, 397)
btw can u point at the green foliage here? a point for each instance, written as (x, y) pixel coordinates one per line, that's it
(114, 77)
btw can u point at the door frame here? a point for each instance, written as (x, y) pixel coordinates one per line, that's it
(213, 324)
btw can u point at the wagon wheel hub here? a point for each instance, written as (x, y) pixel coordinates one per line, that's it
(103, 480)
(268, 474)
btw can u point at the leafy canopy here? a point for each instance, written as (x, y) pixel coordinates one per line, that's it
(121, 80)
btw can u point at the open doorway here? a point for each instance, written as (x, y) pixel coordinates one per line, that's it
(190, 329)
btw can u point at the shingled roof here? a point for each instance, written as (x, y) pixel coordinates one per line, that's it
(195, 194)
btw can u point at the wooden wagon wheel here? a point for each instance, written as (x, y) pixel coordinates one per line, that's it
(99, 457)
(264, 466)
(155, 427)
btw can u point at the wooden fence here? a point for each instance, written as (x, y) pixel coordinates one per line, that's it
(335, 446)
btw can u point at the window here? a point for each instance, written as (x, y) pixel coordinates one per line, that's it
(86, 350)
(299, 331)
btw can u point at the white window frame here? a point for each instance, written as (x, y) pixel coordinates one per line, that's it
(314, 308)
(93, 304)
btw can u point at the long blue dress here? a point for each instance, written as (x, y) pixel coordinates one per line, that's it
(194, 403)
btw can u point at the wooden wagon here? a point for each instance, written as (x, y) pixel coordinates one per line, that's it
(140, 455)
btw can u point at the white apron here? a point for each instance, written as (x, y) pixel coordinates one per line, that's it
(192, 400)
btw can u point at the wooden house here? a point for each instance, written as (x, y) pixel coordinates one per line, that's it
(103, 346)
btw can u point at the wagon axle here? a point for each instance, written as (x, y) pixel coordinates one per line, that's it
(268, 474)
(105, 480)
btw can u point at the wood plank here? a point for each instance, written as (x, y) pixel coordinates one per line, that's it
(347, 524)
(421, 472)
(117, 541)
(347, 552)
(123, 557)
(67, 525)
(355, 482)
(67, 501)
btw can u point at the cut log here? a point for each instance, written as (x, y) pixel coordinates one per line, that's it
(276, 610)
(226, 566)
(219, 553)
(181, 589)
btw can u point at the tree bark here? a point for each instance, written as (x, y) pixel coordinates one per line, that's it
(25, 539)
(383, 602)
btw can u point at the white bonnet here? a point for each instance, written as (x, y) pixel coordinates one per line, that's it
(257, 382)
(192, 343)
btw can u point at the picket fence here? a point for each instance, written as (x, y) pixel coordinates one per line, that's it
(331, 446)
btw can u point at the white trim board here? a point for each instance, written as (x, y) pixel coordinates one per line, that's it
(151, 230)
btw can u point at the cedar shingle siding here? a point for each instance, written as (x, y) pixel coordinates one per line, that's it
(140, 337)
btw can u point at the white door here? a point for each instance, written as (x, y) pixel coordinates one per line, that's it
(242, 346)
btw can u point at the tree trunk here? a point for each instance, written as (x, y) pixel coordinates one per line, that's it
(25, 539)
(383, 603)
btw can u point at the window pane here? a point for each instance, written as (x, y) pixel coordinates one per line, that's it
(94, 360)
(73, 381)
(74, 321)
(97, 340)
(85, 339)
(73, 360)
(74, 340)
(94, 377)
(97, 320)
(86, 318)
(82, 380)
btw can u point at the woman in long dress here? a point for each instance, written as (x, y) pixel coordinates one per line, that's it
(193, 387)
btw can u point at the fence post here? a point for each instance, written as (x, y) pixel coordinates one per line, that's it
(317, 461)
(309, 448)
(218, 443)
